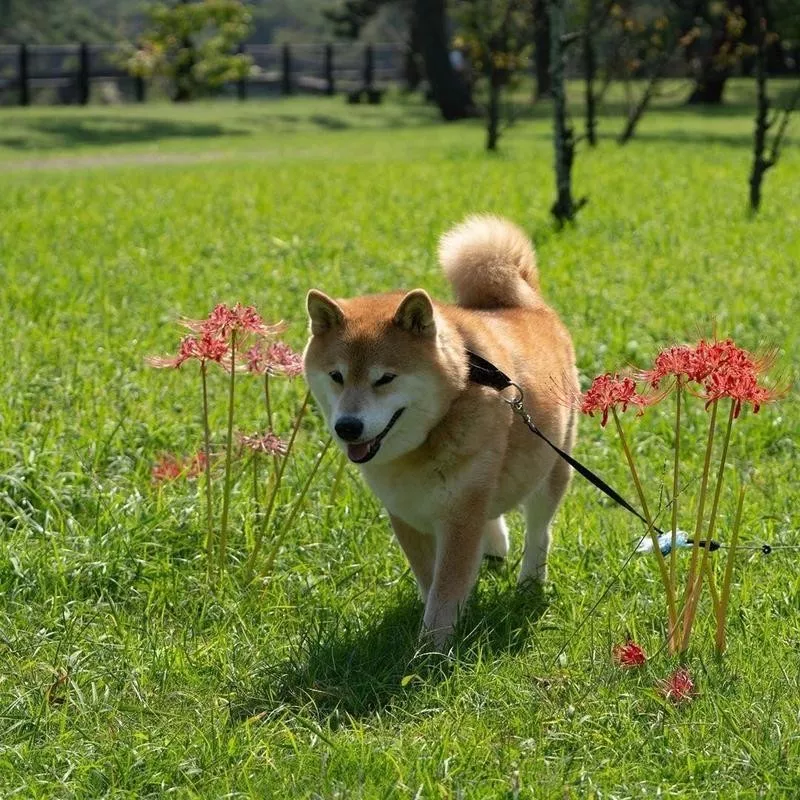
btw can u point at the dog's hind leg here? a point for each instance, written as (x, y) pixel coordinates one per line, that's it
(540, 507)
(495, 539)
(420, 550)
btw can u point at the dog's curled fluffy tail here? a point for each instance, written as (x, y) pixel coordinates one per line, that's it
(490, 263)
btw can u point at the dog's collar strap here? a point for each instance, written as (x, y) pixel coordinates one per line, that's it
(484, 373)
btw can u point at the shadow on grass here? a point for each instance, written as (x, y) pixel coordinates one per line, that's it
(392, 117)
(69, 131)
(358, 666)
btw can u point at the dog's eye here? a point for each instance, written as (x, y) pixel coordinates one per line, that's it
(336, 377)
(387, 377)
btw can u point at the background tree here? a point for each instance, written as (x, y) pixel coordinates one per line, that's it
(450, 90)
(60, 21)
(496, 37)
(727, 31)
(351, 17)
(430, 37)
(193, 45)
(541, 48)
(650, 46)
(565, 207)
(763, 161)
(596, 16)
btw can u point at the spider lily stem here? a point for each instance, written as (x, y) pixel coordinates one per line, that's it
(281, 468)
(207, 444)
(226, 496)
(675, 492)
(285, 526)
(701, 503)
(672, 617)
(697, 586)
(722, 611)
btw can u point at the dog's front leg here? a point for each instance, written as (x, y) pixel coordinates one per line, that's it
(420, 550)
(458, 558)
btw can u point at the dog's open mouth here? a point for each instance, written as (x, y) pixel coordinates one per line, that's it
(362, 452)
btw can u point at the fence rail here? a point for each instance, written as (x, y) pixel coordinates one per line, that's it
(70, 73)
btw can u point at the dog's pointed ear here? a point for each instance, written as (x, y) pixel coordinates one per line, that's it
(323, 312)
(415, 314)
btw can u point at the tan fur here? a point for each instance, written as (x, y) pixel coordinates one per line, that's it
(490, 263)
(456, 458)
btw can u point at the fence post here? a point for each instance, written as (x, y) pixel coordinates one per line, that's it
(286, 74)
(24, 93)
(84, 74)
(330, 86)
(241, 85)
(139, 89)
(369, 66)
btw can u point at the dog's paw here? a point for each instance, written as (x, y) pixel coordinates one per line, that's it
(536, 589)
(494, 563)
(436, 641)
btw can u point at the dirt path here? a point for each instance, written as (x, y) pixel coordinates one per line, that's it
(112, 160)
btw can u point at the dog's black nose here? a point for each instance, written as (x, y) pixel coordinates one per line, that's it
(349, 428)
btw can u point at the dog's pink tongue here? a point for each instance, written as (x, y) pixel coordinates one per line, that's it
(358, 452)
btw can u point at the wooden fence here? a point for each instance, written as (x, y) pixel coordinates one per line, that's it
(72, 73)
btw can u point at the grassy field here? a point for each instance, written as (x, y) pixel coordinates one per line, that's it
(122, 674)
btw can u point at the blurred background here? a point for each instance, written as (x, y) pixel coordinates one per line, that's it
(111, 51)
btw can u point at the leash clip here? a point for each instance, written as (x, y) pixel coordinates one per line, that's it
(516, 403)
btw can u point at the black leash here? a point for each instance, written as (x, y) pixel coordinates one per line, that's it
(485, 373)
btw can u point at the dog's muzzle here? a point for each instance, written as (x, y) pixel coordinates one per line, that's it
(361, 452)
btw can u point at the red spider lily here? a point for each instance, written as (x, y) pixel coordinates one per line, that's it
(678, 687)
(608, 391)
(224, 320)
(741, 386)
(264, 443)
(708, 358)
(672, 362)
(203, 348)
(170, 468)
(699, 362)
(277, 359)
(628, 655)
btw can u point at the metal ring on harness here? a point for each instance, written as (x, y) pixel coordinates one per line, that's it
(517, 401)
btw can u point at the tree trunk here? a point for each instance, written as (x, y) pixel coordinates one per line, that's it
(760, 163)
(413, 75)
(449, 89)
(709, 89)
(184, 70)
(564, 208)
(589, 70)
(637, 112)
(493, 122)
(541, 52)
(710, 85)
(780, 121)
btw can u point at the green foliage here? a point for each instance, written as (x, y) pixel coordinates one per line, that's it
(59, 21)
(495, 35)
(495, 38)
(193, 45)
(122, 676)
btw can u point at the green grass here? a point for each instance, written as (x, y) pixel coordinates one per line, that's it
(307, 684)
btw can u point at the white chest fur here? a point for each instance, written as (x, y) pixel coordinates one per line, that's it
(419, 497)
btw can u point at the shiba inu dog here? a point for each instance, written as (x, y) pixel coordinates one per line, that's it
(448, 457)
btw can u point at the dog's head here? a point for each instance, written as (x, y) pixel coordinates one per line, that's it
(375, 367)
